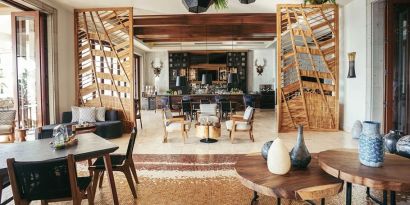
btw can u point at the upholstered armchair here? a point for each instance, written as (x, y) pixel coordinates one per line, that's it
(243, 123)
(208, 112)
(174, 124)
(7, 123)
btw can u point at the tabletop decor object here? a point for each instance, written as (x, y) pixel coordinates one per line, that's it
(356, 129)
(300, 156)
(60, 135)
(403, 146)
(265, 149)
(278, 158)
(390, 140)
(371, 148)
(69, 142)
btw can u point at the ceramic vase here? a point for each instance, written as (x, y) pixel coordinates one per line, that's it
(403, 146)
(300, 156)
(390, 140)
(265, 149)
(278, 158)
(371, 149)
(356, 129)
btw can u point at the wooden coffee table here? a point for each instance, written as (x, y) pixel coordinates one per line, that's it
(393, 176)
(305, 185)
(210, 133)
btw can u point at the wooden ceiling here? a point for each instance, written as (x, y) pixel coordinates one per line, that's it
(202, 27)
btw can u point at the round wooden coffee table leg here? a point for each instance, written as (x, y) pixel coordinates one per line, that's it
(255, 198)
(348, 193)
(393, 198)
(375, 200)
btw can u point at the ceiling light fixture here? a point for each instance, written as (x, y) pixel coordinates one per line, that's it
(197, 6)
(247, 1)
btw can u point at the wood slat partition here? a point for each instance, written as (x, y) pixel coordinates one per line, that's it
(104, 55)
(308, 67)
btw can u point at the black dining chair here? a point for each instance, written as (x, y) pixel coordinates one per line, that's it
(137, 106)
(120, 162)
(205, 101)
(248, 101)
(225, 108)
(187, 108)
(48, 181)
(4, 183)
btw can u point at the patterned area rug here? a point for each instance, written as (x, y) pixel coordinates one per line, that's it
(198, 180)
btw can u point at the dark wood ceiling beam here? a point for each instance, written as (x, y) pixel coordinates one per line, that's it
(204, 19)
(196, 39)
(214, 30)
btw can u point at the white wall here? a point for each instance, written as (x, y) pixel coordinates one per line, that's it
(161, 82)
(353, 39)
(269, 73)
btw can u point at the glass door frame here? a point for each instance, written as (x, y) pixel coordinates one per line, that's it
(390, 56)
(40, 63)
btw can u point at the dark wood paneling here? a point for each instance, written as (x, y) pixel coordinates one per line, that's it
(211, 27)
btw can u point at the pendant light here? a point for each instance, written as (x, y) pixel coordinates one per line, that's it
(247, 1)
(197, 6)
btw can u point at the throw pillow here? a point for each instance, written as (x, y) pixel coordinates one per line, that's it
(7, 117)
(100, 114)
(87, 114)
(248, 113)
(168, 116)
(75, 113)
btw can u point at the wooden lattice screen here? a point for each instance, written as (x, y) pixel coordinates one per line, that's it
(104, 56)
(308, 67)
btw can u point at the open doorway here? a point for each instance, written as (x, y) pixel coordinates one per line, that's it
(24, 66)
(398, 67)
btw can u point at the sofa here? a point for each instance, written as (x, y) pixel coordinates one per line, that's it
(111, 128)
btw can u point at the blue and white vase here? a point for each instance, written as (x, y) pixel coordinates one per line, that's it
(371, 148)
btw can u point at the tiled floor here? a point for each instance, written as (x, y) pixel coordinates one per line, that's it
(149, 140)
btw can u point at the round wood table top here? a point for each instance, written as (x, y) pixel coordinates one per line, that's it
(394, 175)
(307, 184)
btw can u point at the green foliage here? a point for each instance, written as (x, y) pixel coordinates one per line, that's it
(320, 1)
(220, 4)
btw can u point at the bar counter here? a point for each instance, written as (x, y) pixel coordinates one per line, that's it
(237, 99)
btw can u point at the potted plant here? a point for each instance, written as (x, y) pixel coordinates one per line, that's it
(220, 4)
(316, 2)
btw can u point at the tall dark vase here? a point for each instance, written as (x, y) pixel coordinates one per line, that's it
(300, 156)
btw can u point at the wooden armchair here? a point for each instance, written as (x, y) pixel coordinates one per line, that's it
(8, 123)
(174, 124)
(238, 123)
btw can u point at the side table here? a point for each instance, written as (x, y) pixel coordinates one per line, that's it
(298, 184)
(344, 164)
(210, 133)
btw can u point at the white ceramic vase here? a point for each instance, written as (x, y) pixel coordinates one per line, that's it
(356, 129)
(278, 158)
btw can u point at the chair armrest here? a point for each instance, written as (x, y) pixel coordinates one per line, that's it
(181, 120)
(237, 118)
(179, 116)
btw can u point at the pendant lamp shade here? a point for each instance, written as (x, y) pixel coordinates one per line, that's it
(206, 79)
(247, 1)
(181, 81)
(232, 78)
(197, 6)
(352, 70)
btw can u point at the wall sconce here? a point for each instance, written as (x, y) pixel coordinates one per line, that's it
(352, 58)
(157, 68)
(259, 68)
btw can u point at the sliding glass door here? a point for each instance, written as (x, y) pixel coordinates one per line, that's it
(29, 65)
